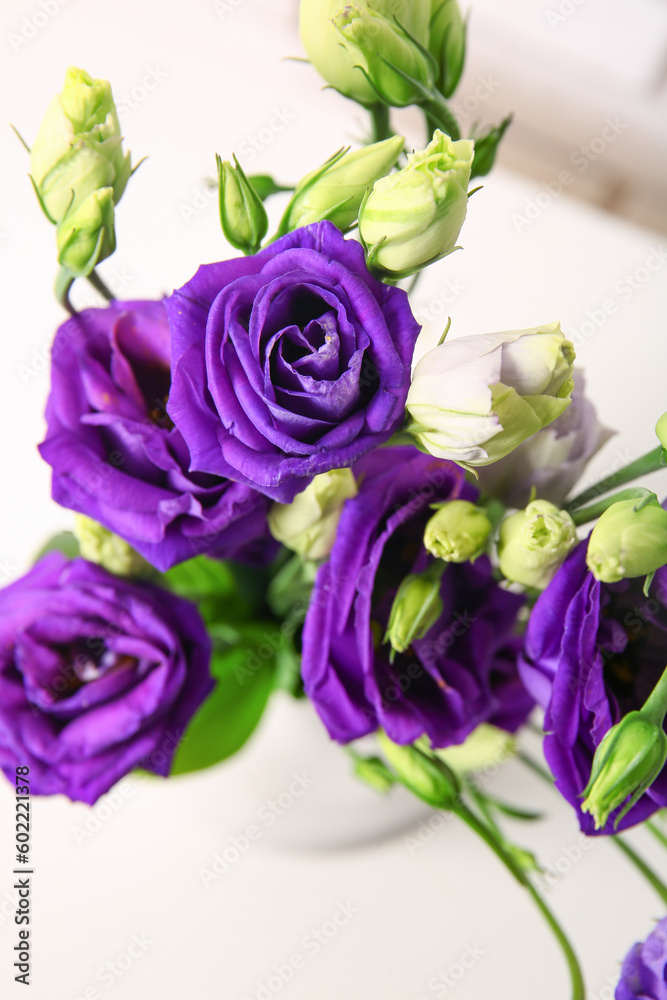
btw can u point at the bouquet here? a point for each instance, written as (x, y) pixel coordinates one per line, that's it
(274, 488)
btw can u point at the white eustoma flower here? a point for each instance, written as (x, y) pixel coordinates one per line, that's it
(474, 399)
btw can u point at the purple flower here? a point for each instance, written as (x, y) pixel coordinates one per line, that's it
(644, 972)
(594, 652)
(288, 363)
(97, 676)
(462, 672)
(116, 455)
(553, 459)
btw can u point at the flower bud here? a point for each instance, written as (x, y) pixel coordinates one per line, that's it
(551, 461)
(343, 66)
(374, 773)
(335, 190)
(627, 761)
(486, 147)
(397, 68)
(100, 546)
(534, 542)
(630, 539)
(87, 236)
(413, 217)
(661, 430)
(448, 43)
(457, 532)
(428, 778)
(474, 399)
(308, 524)
(77, 154)
(242, 215)
(416, 608)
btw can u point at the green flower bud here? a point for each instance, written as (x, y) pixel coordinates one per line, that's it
(343, 66)
(308, 524)
(474, 399)
(534, 542)
(79, 136)
(661, 430)
(398, 68)
(413, 217)
(630, 539)
(87, 236)
(242, 214)
(374, 773)
(416, 608)
(448, 43)
(626, 763)
(98, 545)
(76, 155)
(486, 147)
(486, 748)
(428, 778)
(335, 190)
(458, 532)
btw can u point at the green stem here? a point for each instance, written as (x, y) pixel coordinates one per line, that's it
(381, 123)
(651, 462)
(99, 286)
(64, 282)
(584, 514)
(439, 114)
(657, 832)
(535, 767)
(576, 978)
(641, 866)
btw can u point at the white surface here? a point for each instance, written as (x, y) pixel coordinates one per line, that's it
(418, 908)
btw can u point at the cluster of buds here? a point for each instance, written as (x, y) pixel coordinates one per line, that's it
(79, 170)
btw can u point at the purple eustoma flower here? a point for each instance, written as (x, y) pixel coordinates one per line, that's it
(97, 676)
(594, 652)
(288, 363)
(462, 672)
(644, 972)
(116, 455)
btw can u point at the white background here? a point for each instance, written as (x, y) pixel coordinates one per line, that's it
(135, 868)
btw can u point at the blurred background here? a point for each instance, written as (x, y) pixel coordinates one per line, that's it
(570, 226)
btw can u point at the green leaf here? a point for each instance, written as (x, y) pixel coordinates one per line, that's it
(64, 542)
(211, 585)
(265, 185)
(228, 717)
